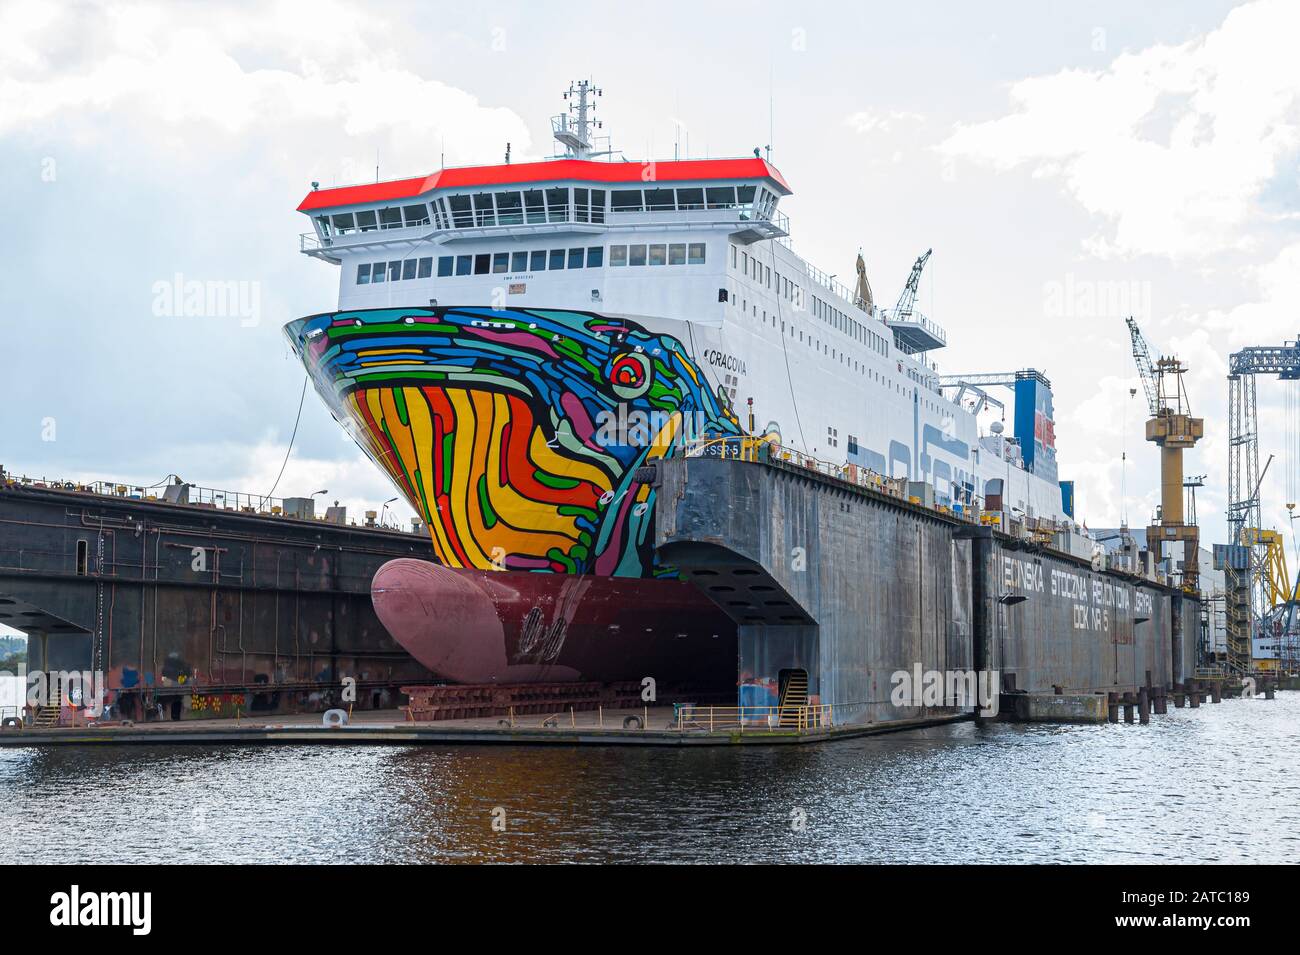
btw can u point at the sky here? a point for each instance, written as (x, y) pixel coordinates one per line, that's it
(1069, 164)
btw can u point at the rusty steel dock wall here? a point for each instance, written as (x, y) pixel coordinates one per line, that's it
(1050, 622)
(202, 611)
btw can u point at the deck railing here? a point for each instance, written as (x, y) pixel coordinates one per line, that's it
(765, 719)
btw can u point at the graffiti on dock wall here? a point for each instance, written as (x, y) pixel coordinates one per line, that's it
(1096, 603)
(217, 704)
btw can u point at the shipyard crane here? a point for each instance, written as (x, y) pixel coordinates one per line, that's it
(1246, 564)
(906, 301)
(1173, 430)
(913, 332)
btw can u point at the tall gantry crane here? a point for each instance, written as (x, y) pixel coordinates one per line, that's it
(1249, 565)
(1172, 428)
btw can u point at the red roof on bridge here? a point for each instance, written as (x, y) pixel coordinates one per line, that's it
(581, 170)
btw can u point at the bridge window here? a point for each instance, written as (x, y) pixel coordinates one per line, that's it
(519, 262)
(366, 220)
(557, 205)
(390, 218)
(688, 199)
(394, 271)
(658, 200)
(510, 208)
(720, 197)
(617, 256)
(557, 259)
(501, 262)
(595, 256)
(658, 254)
(534, 205)
(538, 260)
(363, 273)
(464, 264)
(408, 269)
(462, 214)
(344, 223)
(444, 266)
(575, 258)
(484, 214)
(625, 200)
(677, 253)
(636, 255)
(426, 267)
(482, 263)
(598, 205)
(377, 272)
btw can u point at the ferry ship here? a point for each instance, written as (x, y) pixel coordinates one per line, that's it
(515, 343)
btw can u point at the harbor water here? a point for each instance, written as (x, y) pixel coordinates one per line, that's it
(1213, 784)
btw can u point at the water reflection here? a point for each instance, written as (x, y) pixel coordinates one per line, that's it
(1215, 784)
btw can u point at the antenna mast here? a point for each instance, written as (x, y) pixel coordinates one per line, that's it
(573, 129)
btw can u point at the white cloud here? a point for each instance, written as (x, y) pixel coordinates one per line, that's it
(1173, 146)
(249, 72)
(868, 121)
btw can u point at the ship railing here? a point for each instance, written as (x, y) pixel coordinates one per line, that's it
(689, 717)
(311, 242)
(918, 320)
(766, 450)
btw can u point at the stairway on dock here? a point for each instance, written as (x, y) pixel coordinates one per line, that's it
(794, 697)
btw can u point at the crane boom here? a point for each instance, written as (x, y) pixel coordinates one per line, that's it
(905, 301)
(1146, 368)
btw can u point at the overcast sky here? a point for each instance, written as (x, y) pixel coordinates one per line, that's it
(1068, 163)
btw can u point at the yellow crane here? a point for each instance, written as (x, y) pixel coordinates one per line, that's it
(1173, 430)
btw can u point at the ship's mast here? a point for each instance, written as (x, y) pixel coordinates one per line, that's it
(573, 129)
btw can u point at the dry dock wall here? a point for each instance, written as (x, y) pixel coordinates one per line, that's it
(202, 611)
(820, 577)
(854, 586)
(1046, 621)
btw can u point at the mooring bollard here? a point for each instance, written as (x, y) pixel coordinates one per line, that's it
(1144, 705)
(1112, 707)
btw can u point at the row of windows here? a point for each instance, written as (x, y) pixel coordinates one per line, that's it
(672, 253)
(372, 273)
(830, 314)
(792, 292)
(483, 263)
(536, 206)
(762, 274)
(536, 260)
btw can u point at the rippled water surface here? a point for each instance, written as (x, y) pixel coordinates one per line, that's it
(1216, 784)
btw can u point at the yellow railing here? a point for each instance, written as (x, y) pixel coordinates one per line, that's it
(761, 719)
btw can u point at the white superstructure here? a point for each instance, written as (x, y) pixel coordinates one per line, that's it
(697, 249)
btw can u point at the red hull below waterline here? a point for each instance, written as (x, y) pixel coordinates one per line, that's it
(474, 626)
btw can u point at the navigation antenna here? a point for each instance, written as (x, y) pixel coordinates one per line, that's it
(573, 129)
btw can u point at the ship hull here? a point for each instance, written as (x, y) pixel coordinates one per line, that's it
(473, 626)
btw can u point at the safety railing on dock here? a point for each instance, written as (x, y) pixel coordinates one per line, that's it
(766, 450)
(688, 716)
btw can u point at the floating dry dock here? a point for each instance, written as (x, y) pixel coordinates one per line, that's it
(835, 588)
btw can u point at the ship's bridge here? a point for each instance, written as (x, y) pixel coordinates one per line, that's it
(562, 196)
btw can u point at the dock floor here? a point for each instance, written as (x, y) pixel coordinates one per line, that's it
(390, 727)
